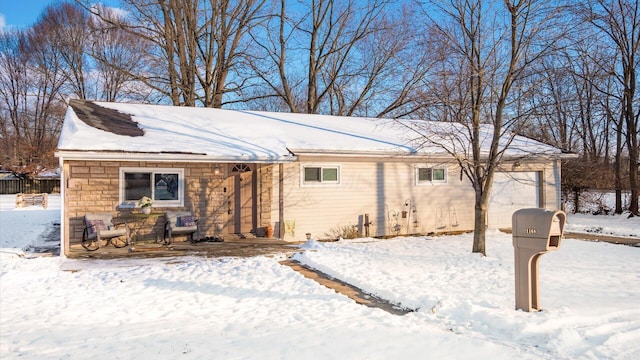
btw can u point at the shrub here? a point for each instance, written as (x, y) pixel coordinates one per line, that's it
(345, 231)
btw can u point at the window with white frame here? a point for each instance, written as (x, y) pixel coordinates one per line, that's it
(321, 175)
(165, 187)
(431, 175)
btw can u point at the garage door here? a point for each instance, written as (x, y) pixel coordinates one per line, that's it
(512, 191)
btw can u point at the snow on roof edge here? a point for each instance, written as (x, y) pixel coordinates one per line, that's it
(240, 135)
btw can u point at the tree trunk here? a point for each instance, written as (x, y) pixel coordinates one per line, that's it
(618, 169)
(479, 228)
(633, 177)
(632, 142)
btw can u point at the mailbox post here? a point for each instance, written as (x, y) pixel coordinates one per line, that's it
(535, 232)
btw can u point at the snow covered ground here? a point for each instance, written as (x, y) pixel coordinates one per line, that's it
(229, 308)
(615, 225)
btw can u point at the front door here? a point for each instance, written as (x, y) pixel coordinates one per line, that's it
(242, 202)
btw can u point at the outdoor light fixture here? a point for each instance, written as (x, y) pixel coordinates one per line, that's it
(216, 170)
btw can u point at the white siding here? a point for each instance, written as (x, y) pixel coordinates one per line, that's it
(383, 190)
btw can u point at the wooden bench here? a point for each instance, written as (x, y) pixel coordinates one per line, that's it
(24, 200)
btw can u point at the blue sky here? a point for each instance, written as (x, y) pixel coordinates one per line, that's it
(24, 13)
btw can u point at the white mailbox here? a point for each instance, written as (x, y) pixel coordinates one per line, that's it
(535, 232)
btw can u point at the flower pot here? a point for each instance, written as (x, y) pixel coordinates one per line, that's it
(268, 231)
(146, 210)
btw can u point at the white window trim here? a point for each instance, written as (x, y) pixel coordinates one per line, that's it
(320, 183)
(431, 182)
(153, 170)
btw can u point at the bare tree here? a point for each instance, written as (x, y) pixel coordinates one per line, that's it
(491, 48)
(31, 109)
(67, 24)
(13, 95)
(195, 46)
(117, 54)
(619, 21)
(339, 57)
(569, 107)
(384, 77)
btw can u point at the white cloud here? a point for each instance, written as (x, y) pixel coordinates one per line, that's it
(3, 22)
(109, 11)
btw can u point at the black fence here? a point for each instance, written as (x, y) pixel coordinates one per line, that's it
(30, 186)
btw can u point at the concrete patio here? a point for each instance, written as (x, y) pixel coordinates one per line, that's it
(236, 247)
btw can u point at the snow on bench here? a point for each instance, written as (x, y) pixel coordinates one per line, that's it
(24, 200)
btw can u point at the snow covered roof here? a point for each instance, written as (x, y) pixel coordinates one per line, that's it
(107, 130)
(7, 175)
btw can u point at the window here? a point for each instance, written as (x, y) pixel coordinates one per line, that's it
(164, 186)
(241, 168)
(431, 175)
(321, 175)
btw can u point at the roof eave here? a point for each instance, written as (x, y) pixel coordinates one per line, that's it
(544, 156)
(417, 154)
(363, 153)
(166, 157)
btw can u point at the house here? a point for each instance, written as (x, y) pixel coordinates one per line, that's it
(242, 171)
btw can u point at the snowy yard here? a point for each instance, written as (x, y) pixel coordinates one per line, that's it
(228, 308)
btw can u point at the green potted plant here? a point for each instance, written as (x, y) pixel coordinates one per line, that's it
(145, 204)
